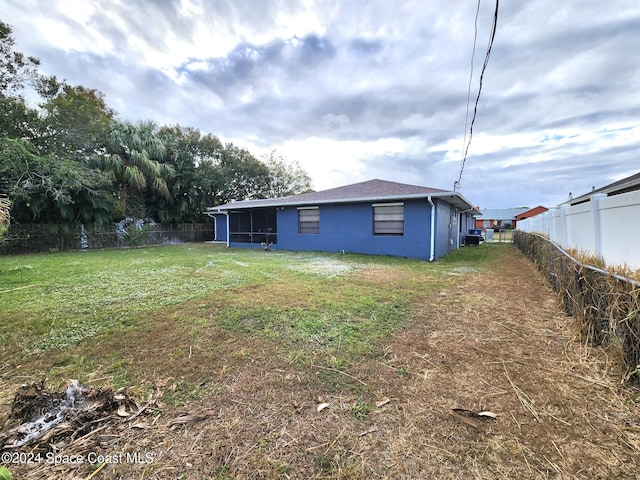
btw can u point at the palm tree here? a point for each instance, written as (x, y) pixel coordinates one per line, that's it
(133, 160)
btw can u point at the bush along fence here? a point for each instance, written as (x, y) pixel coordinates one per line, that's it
(34, 238)
(606, 306)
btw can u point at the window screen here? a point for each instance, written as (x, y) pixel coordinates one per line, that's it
(388, 219)
(309, 220)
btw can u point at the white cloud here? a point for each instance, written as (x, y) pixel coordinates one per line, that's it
(369, 88)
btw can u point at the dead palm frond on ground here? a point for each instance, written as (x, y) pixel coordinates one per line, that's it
(5, 208)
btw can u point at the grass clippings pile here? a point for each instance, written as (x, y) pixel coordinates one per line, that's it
(46, 432)
(396, 369)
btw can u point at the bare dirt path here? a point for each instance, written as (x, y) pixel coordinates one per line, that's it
(504, 346)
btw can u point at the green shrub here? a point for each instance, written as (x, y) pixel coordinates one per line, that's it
(138, 236)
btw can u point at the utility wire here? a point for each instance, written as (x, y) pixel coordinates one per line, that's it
(484, 67)
(473, 55)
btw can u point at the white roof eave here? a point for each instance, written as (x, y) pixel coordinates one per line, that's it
(454, 198)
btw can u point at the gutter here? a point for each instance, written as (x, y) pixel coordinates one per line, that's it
(291, 201)
(432, 245)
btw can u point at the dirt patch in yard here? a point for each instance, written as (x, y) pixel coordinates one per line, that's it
(489, 383)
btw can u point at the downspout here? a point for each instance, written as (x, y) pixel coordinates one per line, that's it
(226, 213)
(459, 224)
(215, 228)
(432, 246)
(215, 225)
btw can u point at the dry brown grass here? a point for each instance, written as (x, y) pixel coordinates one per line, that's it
(494, 341)
(5, 206)
(587, 258)
(604, 304)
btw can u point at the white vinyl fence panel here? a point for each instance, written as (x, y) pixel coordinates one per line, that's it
(608, 227)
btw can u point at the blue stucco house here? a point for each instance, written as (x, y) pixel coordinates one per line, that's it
(374, 217)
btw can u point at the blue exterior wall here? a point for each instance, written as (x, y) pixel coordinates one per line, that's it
(349, 227)
(220, 228)
(443, 232)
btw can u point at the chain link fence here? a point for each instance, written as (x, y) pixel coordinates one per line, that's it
(34, 238)
(606, 306)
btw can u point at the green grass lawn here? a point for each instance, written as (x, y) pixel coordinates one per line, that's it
(239, 349)
(317, 302)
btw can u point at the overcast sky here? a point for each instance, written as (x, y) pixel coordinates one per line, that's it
(356, 90)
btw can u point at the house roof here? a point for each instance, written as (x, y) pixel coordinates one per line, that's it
(527, 213)
(501, 213)
(625, 185)
(371, 190)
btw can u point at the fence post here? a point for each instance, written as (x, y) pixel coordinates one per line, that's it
(564, 228)
(597, 229)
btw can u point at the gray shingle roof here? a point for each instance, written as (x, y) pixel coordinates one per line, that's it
(371, 190)
(368, 189)
(627, 184)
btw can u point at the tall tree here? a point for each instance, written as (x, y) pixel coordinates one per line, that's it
(17, 120)
(210, 185)
(133, 158)
(76, 119)
(16, 69)
(244, 176)
(286, 177)
(186, 150)
(44, 189)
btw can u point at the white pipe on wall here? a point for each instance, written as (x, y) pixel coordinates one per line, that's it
(432, 253)
(228, 232)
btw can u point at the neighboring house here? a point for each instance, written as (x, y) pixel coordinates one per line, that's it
(628, 184)
(532, 212)
(499, 217)
(602, 223)
(374, 217)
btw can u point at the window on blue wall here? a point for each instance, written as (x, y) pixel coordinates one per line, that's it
(388, 219)
(309, 220)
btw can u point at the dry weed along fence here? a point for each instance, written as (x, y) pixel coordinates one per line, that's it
(606, 306)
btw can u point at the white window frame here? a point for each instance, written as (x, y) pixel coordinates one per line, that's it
(309, 220)
(388, 219)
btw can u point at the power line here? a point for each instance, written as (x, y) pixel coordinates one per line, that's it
(473, 55)
(484, 67)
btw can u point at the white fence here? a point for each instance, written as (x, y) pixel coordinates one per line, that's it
(608, 227)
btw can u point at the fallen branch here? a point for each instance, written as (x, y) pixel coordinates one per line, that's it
(191, 418)
(340, 371)
(97, 470)
(371, 430)
(524, 400)
(22, 288)
(335, 440)
(464, 419)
